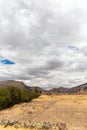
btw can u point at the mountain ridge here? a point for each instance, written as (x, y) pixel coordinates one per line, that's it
(22, 85)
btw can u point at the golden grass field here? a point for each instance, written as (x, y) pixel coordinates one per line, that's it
(11, 128)
(69, 109)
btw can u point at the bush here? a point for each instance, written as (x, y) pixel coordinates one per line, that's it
(12, 95)
(15, 95)
(27, 96)
(4, 98)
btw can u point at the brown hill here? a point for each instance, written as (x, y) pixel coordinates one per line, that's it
(20, 85)
(13, 83)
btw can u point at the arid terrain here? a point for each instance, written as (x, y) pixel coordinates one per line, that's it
(69, 109)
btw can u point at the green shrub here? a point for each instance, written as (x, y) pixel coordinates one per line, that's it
(4, 98)
(15, 95)
(10, 96)
(27, 96)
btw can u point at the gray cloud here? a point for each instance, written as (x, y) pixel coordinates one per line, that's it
(44, 70)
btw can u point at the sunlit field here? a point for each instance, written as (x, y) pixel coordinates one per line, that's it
(68, 109)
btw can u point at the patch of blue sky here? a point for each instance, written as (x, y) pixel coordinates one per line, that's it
(7, 62)
(74, 48)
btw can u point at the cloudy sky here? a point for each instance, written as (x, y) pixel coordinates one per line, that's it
(44, 42)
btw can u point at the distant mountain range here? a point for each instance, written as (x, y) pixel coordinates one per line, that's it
(78, 89)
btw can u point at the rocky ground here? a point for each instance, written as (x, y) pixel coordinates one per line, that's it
(60, 112)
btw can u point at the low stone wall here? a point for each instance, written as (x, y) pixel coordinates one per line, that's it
(34, 125)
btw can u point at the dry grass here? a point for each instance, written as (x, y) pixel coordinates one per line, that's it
(10, 128)
(70, 109)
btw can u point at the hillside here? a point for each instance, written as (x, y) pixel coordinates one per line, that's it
(78, 89)
(13, 83)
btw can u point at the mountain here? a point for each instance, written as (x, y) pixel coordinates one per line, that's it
(59, 90)
(20, 85)
(13, 83)
(78, 89)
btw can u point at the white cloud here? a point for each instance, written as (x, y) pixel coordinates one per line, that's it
(37, 36)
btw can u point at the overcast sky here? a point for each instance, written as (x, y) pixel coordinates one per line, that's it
(44, 42)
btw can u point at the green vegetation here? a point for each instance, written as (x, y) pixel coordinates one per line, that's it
(10, 96)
